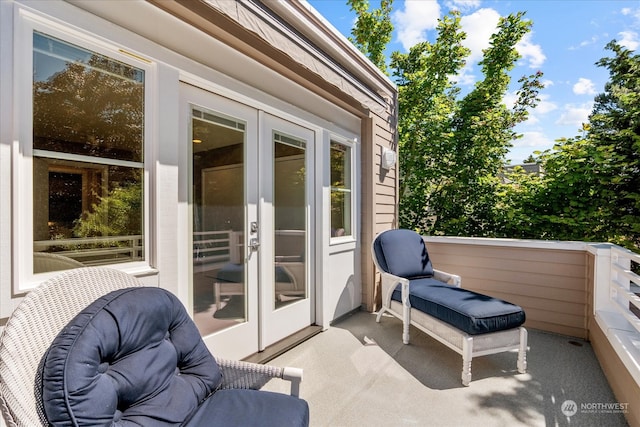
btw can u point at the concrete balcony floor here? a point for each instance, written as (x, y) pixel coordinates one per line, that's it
(358, 373)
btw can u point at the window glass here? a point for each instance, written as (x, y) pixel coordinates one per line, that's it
(88, 139)
(340, 190)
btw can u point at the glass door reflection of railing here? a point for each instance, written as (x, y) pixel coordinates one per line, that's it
(213, 247)
(95, 250)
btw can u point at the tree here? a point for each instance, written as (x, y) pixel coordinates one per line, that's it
(426, 102)
(614, 128)
(591, 185)
(452, 150)
(372, 30)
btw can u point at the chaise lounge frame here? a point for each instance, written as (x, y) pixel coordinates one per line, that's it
(468, 346)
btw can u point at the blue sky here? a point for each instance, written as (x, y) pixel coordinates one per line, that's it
(567, 38)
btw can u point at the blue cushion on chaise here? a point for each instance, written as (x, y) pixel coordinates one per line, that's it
(403, 253)
(134, 357)
(468, 311)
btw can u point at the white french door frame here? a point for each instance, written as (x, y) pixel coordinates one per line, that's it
(276, 324)
(264, 325)
(240, 340)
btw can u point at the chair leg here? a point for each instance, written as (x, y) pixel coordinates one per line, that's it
(406, 324)
(380, 313)
(467, 354)
(216, 295)
(522, 352)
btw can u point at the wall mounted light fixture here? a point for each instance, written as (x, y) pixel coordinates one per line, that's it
(389, 158)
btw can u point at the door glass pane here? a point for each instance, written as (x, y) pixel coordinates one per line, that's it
(218, 200)
(290, 219)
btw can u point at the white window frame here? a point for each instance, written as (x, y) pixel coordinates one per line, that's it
(352, 157)
(26, 22)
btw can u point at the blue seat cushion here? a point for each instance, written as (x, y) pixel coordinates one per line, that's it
(469, 311)
(132, 357)
(234, 273)
(403, 253)
(247, 408)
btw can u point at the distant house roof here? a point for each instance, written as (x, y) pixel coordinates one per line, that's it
(534, 168)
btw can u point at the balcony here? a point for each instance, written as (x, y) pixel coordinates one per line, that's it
(583, 359)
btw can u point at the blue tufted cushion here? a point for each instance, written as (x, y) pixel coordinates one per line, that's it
(251, 408)
(403, 253)
(466, 310)
(132, 357)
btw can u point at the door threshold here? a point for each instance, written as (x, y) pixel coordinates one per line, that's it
(283, 345)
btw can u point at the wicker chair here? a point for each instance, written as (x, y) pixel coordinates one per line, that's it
(38, 319)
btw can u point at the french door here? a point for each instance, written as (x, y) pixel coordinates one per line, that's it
(249, 183)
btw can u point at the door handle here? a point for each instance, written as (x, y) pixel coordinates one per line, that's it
(254, 245)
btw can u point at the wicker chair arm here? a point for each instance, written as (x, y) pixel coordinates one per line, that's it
(246, 375)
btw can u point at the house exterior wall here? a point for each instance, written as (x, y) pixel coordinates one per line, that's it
(285, 60)
(380, 200)
(548, 279)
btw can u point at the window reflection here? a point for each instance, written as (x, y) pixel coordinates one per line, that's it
(290, 220)
(340, 190)
(88, 139)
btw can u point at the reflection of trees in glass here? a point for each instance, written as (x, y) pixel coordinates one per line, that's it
(118, 214)
(340, 190)
(91, 108)
(87, 104)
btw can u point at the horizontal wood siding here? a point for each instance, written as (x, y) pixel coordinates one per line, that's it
(380, 206)
(551, 285)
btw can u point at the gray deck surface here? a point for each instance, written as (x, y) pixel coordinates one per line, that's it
(358, 373)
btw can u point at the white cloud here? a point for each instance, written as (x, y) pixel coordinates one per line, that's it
(626, 11)
(530, 51)
(629, 39)
(412, 22)
(533, 139)
(575, 115)
(584, 87)
(589, 42)
(463, 5)
(479, 27)
(544, 107)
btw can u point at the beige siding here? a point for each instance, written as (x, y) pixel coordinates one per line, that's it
(367, 212)
(551, 285)
(379, 200)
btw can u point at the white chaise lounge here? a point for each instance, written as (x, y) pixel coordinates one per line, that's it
(470, 323)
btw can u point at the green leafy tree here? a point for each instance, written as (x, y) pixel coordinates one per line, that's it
(591, 185)
(452, 149)
(426, 103)
(614, 128)
(372, 31)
